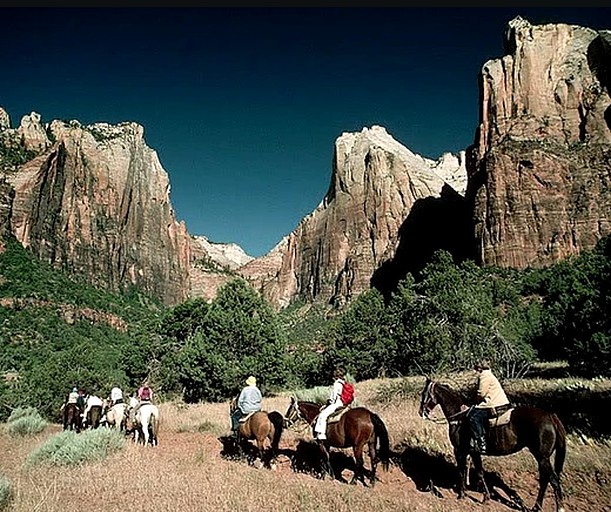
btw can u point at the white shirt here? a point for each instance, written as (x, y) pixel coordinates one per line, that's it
(336, 392)
(116, 394)
(94, 400)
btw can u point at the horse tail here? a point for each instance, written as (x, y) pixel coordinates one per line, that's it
(560, 444)
(382, 435)
(278, 422)
(155, 418)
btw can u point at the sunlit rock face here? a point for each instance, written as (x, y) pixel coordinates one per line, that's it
(95, 200)
(540, 170)
(334, 251)
(213, 265)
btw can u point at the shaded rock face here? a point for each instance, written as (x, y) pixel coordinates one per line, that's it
(335, 251)
(539, 172)
(95, 200)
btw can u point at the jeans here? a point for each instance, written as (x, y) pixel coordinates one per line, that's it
(235, 419)
(477, 417)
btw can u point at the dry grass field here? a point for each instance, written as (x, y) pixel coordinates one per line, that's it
(189, 471)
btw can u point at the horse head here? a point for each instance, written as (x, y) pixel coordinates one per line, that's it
(428, 399)
(292, 413)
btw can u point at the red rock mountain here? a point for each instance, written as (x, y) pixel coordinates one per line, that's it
(540, 168)
(534, 188)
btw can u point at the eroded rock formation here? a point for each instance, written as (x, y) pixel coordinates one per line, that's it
(540, 168)
(95, 200)
(334, 252)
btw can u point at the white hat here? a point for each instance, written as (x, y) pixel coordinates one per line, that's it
(251, 381)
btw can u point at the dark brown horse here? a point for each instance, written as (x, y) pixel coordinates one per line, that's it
(356, 428)
(94, 415)
(529, 427)
(72, 417)
(265, 428)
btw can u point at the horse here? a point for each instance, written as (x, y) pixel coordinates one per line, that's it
(116, 416)
(144, 422)
(94, 416)
(72, 417)
(261, 426)
(529, 427)
(356, 428)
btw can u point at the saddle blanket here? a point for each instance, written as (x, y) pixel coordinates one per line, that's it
(501, 419)
(336, 416)
(244, 418)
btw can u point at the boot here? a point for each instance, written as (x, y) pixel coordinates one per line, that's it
(480, 444)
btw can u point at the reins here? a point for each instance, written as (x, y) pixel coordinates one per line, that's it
(453, 418)
(301, 417)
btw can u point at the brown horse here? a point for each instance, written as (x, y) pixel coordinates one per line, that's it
(356, 428)
(72, 417)
(94, 415)
(529, 427)
(262, 427)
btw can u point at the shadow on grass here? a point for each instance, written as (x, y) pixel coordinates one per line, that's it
(307, 458)
(432, 472)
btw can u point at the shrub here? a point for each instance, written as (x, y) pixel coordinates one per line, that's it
(26, 422)
(20, 412)
(69, 448)
(5, 492)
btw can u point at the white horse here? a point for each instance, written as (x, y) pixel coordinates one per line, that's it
(116, 416)
(147, 424)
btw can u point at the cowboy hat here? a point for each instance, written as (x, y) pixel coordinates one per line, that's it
(251, 381)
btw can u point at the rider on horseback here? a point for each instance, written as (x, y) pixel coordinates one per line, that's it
(92, 401)
(145, 396)
(116, 396)
(334, 403)
(491, 395)
(249, 401)
(72, 398)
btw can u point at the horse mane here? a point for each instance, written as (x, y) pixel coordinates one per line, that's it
(454, 394)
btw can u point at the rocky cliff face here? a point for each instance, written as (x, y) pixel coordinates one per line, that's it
(534, 188)
(95, 200)
(213, 265)
(334, 252)
(540, 168)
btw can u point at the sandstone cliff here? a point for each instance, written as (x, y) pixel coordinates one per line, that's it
(95, 200)
(213, 265)
(334, 252)
(540, 168)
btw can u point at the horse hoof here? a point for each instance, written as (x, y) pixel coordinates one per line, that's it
(273, 467)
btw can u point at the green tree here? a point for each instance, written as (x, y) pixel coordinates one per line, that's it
(239, 336)
(360, 340)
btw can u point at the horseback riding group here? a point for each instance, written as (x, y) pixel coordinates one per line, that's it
(491, 426)
(138, 418)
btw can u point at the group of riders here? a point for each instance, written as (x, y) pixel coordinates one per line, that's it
(85, 403)
(490, 393)
(491, 400)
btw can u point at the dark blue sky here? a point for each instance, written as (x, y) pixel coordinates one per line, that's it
(243, 105)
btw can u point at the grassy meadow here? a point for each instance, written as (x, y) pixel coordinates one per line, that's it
(191, 471)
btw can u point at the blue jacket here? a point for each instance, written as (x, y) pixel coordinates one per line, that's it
(250, 399)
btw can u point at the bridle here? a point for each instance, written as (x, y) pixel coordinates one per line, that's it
(429, 402)
(294, 415)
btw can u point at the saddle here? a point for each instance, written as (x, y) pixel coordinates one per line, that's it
(337, 414)
(499, 416)
(244, 418)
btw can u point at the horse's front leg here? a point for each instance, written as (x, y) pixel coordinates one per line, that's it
(326, 459)
(461, 465)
